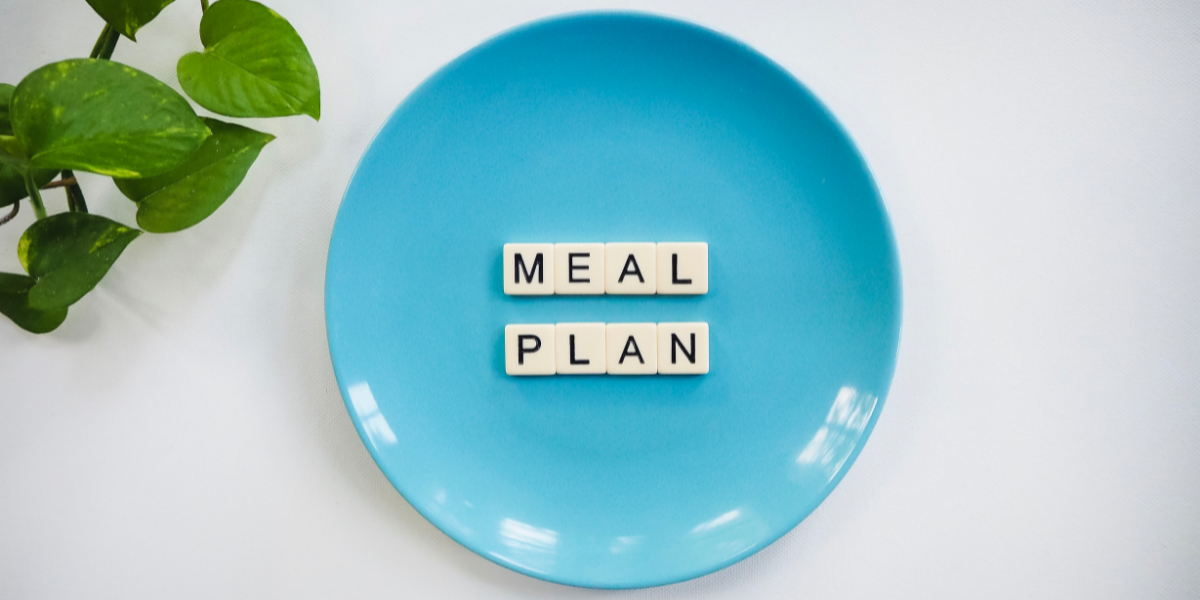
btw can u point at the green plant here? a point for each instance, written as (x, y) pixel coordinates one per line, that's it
(94, 114)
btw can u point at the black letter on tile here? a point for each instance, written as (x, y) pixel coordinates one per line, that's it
(571, 268)
(519, 266)
(691, 356)
(626, 352)
(675, 271)
(521, 349)
(577, 362)
(636, 271)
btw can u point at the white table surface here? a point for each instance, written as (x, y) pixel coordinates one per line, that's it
(181, 436)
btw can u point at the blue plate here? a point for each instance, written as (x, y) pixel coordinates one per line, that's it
(598, 128)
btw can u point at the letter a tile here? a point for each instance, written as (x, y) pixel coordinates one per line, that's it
(632, 348)
(629, 268)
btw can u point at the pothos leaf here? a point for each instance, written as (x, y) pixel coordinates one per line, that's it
(127, 16)
(68, 254)
(254, 64)
(14, 304)
(6, 92)
(12, 153)
(192, 191)
(104, 117)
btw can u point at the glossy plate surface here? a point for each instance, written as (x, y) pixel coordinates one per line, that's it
(599, 128)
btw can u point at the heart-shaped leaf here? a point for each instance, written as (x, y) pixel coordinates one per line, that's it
(14, 304)
(189, 193)
(68, 254)
(104, 117)
(12, 184)
(12, 153)
(127, 16)
(254, 64)
(6, 92)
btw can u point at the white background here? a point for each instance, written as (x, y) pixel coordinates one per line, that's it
(181, 436)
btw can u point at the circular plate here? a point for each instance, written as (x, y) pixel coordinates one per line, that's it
(601, 128)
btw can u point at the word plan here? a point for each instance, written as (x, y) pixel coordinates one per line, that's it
(612, 348)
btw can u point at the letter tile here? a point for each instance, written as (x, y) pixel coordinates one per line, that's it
(632, 348)
(579, 348)
(529, 349)
(529, 269)
(682, 348)
(580, 269)
(682, 267)
(629, 268)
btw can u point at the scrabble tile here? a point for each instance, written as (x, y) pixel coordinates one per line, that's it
(629, 268)
(682, 348)
(529, 349)
(682, 267)
(580, 269)
(579, 348)
(529, 269)
(631, 348)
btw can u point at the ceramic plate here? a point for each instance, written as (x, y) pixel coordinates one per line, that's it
(603, 128)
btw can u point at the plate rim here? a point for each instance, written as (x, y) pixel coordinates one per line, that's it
(890, 243)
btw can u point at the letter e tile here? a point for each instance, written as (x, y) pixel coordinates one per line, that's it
(580, 269)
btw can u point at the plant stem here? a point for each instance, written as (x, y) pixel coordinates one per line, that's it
(16, 208)
(65, 181)
(75, 199)
(74, 193)
(106, 43)
(203, 5)
(100, 41)
(35, 195)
